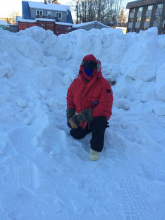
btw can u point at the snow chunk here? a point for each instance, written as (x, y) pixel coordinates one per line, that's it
(46, 78)
(117, 50)
(21, 103)
(30, 64)
(161, 42)
(6, 58)
(50, 40)
(49, 60)
(153, 31)
(124, 104)
(67, 79)
(36, 33)
(159, 109)
(30, 105)
(143, 71)
(83, 41)
(4, 99)
(29, 48)
(43, 94)
(121, 89)
(159, 86)
(53, 105)
(146, 96)
(6, 70)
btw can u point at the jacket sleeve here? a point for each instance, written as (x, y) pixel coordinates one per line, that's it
(104, 107)
(70, 98)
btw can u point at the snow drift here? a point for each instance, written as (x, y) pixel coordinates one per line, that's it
(45, 173)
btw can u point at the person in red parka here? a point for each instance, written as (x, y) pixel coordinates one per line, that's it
(89, 104)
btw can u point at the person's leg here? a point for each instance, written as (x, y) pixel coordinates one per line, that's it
(98, 126)
(79, 132)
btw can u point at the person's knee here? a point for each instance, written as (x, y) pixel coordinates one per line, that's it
(77, 135)
(101, 121)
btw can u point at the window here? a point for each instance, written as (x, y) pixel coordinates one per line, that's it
(157, 18)
(131, 20)
(138, 19)
(48, 13)
(132, 10)
(39, 12)
(160, 6)
(148, 18)
(129, 29)
(140, 9)
(150, 7)
(137, 30)
(59, 15)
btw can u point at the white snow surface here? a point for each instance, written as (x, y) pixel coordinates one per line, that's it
(26, 20)
(45, 174)
(88, 23)
(3, 23)
(48, 6)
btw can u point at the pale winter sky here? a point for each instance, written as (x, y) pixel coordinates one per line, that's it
(8, 6)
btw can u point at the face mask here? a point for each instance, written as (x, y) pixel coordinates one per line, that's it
(88, 71)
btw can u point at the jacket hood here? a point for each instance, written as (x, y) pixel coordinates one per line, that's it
(97, 72)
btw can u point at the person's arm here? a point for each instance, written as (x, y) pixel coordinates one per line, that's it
(71, 108)
(104, 107)
(70, 98)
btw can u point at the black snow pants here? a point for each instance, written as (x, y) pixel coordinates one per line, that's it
(97, 127)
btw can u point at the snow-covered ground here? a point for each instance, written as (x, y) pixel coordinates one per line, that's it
(44, 173)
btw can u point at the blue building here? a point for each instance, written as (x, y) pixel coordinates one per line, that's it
(60, 13)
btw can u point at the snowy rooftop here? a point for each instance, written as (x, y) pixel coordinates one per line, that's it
(26, 20)
(62, 23)
(44, 19)
(3, 23)
(88, 23)
(48, 6)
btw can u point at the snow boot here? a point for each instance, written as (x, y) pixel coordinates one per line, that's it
(94, 155)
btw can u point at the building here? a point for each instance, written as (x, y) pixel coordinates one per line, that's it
(54, 17)
(32, 10)
(144, 14)
(89, 25)
(3, 24)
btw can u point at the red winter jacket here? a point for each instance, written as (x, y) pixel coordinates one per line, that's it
(96, 94)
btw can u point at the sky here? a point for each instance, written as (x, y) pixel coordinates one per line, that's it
(8, 6)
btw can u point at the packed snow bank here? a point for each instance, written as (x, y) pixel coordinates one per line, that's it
(45, 173)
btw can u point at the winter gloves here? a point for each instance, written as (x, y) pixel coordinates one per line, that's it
(76, 120)
(85, 115)
(69, 113)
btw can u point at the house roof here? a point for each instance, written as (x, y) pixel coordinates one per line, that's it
(45, 19)
(140, 3)
(3, 23)
(26, 20)
(69, 17)
(62, 23)
(48, 6)
(26, 10)
(89, 23)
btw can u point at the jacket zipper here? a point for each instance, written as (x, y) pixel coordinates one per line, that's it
(83, 90)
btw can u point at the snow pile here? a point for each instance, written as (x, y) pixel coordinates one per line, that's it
(45, 173)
